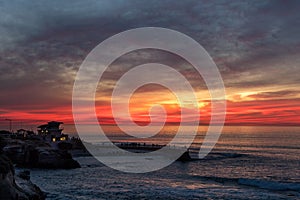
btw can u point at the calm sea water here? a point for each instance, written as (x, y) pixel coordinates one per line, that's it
(247, 163)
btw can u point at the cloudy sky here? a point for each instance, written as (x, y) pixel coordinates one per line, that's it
(255, 44)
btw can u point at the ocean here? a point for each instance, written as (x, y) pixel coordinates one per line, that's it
(248, 162)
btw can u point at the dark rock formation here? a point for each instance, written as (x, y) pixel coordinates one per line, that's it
(54, 159)
(14, 187)
(185, 157)
(38, 154)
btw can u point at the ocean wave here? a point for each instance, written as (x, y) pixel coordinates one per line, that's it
(218, 155)
(270, 185)
(258, 183)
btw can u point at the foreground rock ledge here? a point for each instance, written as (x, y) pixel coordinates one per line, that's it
(38, 154)
(16, 187)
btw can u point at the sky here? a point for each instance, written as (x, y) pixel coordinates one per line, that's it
(255, 45)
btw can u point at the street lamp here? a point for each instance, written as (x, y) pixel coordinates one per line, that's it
(10, 124)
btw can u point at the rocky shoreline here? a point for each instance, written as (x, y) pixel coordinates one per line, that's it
(17, 187)
(33, 153)
(29, 152)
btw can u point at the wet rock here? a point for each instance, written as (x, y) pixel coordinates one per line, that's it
(24, 175)
(36, 154)
(32, 191)
(15, 187)
(55, 159)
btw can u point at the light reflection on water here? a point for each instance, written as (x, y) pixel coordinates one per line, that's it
(251, 138)
(254, 162)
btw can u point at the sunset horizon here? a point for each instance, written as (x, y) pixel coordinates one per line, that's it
(282, 112)
(172, 100)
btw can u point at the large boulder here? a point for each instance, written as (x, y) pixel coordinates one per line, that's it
(15, 187)
(55, 159)
(37, 154)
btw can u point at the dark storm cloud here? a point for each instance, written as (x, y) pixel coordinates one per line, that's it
(229, 31)
(272, 95)
(44, 42)
(128, 61)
